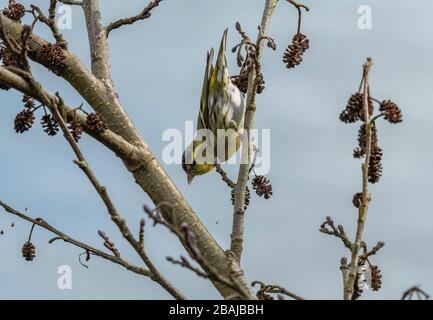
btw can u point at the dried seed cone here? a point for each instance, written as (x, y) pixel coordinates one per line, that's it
(375, 167)
(262, 186)
(54, 55)
(261, 85)
(76, 129)
(293, 55)
(357, 199)
(9, 59)
(357, 291)
(24, 121)
(358, 153)
(376, 278)
(49, 125)
(29, 251)
(96, 122)
(247, 197)
(14, 11)
(29, 102)
(354, 110)
(241, 81)
(376, 153)
(392, 112)
(362, 141)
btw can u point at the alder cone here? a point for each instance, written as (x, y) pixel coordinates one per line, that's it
(293, 56)
(29, 251)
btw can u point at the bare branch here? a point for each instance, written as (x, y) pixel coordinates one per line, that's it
(417, 291)
(145, 14)
(113, 141)
(372, 252)
(237, 235)
(71, 2)
(183, 262)
(56, 105)
(363, 207)
(328, 227)
(115, 216)
(109, 244)
(97, 42)
(299, 5)
(188, 238)
(224, 176)
(50, 21)
(265, 290)
(62, 236)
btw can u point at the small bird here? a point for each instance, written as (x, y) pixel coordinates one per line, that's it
(222, 113)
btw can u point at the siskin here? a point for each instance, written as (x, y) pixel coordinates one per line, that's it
(221, 117)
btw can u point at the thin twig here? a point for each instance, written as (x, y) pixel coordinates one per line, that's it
(71, 2)
(50, 21)
(299, 7)
(224, 176)
(328, 227)
(421, 294)
(372, 252)
(184, 262)
(144, 14)
(265, 289)
(62, 236)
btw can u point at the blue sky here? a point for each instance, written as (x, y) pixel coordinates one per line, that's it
(157, 67)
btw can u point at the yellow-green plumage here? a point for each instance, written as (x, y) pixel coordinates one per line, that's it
(222, 107)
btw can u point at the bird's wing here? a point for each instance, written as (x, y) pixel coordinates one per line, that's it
(203, 115)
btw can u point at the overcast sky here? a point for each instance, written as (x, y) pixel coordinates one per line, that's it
(157, 67)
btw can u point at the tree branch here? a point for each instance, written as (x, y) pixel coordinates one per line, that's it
(50, 21)
(117, 144)
(264, 290)
(365, 201)
(56, 105)
(237, 235)
(71, 2)
(97, 41)
(43, 224)
(145, 14)
(188, 238)
(111, 209)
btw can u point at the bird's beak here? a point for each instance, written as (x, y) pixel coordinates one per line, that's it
(190, 178)
(222, 59)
